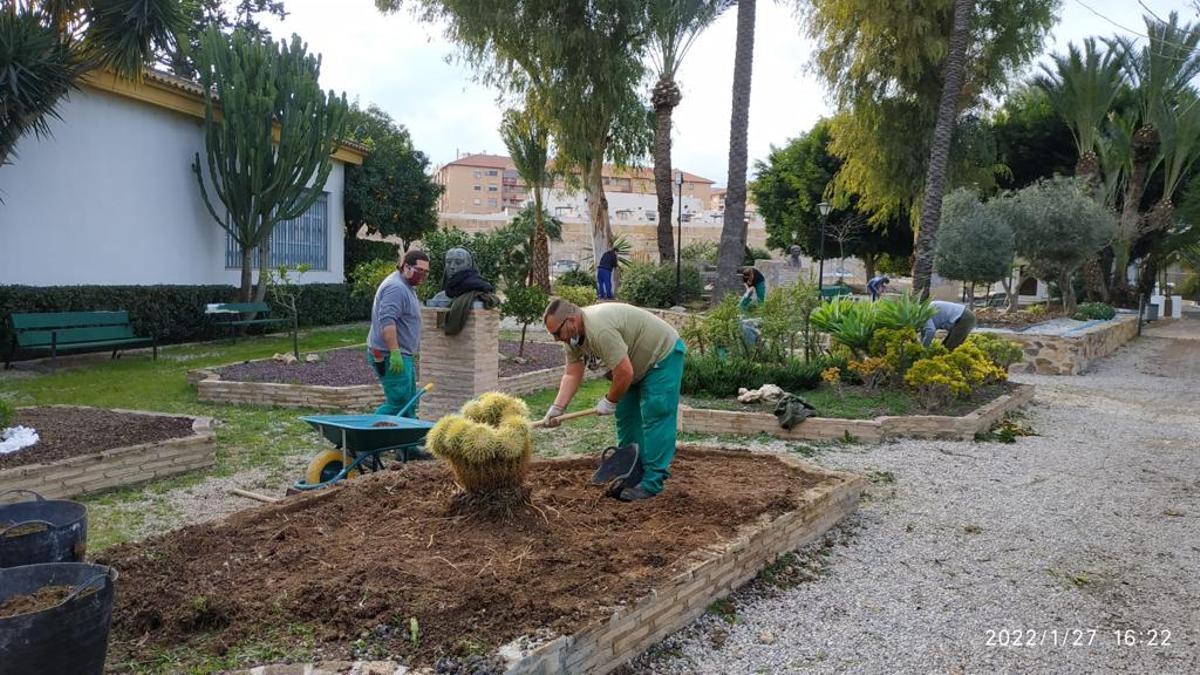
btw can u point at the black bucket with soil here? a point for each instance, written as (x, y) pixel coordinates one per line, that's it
(54, 618)
(42, 531)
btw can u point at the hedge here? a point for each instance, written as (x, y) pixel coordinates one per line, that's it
(172, 313)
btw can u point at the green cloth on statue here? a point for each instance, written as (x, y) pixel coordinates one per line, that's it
(460, 309)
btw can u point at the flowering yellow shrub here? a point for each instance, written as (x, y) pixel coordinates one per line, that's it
(976, 367)
(1001, 351)
(937, 382)
(832, 375)
(873, 370)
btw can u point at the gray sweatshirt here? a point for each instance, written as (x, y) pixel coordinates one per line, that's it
(396, 304)
(946, 314)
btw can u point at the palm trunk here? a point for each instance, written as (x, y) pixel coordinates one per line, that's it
(1145, 144)
(662, 168)
(733, 233)
(1095, 283)
(540, 266)
(598, 205)
(939, 153)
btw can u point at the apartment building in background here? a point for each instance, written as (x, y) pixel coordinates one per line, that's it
(483, 183)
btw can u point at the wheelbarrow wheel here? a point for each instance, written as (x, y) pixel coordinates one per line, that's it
(325, 467)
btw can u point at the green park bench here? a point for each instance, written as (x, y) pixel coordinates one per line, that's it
(236, 315)
(63, 332)
(830, 292)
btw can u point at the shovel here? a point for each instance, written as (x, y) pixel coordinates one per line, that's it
(619, 468)
(567, 417)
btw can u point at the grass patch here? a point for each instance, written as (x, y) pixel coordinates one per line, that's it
(584, 435)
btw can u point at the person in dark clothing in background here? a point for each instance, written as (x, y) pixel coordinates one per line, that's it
(878, 286)
(604, 272)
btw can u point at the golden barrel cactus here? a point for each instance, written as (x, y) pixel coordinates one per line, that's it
(488, 445)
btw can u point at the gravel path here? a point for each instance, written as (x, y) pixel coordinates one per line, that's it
(1094, 524)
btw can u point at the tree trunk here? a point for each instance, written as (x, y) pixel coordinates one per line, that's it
(1145, 145)
(246, 294)
(598, 205)
(733, 234)
(666, 96)
(1067, 289)
(540, 265)
(939, 153)
(521, 349)
(264, 273)
(869, 264)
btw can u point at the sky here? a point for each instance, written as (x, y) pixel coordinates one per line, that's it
(408, 68)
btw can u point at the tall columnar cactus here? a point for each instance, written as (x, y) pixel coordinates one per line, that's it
(269, 133)
(489, 447)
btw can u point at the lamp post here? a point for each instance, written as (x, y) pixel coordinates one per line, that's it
(824, 207)
(679, 239)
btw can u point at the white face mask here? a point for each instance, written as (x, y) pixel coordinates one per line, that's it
(575, 340)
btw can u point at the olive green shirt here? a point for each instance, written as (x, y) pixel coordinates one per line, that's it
(614, 330)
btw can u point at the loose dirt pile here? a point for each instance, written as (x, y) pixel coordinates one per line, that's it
(43, 598)
(358, 563)
(68, 432)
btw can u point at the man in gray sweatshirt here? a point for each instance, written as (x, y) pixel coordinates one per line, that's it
(955, 319)
(395, 335)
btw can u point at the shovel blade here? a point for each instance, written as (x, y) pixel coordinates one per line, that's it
(620, 466)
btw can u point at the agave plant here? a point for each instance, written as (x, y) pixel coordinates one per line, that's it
(488, 446)
(905, 311)
(847, 322)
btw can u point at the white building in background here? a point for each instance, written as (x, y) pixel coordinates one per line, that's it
(110, 197)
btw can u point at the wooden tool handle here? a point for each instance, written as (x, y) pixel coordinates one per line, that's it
(567, 417)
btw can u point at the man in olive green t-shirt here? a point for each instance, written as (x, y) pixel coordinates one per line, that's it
(645, 356)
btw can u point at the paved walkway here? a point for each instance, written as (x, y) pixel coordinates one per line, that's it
(1091, 527)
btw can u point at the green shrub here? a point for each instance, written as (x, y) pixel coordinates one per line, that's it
(899, 348)
(581, 296)
(700, 251)
(575, 278)
(525, 304)
(715, 376)
(174, 313)
(753, 253)
(1089, 311)
(358, 251)
(848, 322)
(7, 414)
(365, 278)
(1000, 351)
(905, 311)
(653, 286)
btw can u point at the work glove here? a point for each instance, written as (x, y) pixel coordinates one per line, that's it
(605, 407)
(396, 363)
(551, 418)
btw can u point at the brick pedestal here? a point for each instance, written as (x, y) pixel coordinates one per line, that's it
(460, 367)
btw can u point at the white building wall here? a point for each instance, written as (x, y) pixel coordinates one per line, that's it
(110, 198)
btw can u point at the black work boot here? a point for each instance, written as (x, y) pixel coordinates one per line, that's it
(633, 494)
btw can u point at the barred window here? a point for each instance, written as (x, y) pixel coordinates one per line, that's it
(302, 240)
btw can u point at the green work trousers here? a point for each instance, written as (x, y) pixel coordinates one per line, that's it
(647, 415)
(398, 389)
(760, 291)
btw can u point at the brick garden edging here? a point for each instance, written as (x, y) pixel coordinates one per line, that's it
(107, 469)
(702, 420)
(716, 571)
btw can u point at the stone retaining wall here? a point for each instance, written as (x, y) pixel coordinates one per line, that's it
(85, 474)
(1071, 354)
(701, 420)
(715, 572)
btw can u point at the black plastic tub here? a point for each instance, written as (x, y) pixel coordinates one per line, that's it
(42, 531)
(68, 638)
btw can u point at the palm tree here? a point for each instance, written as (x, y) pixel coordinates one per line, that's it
(939, 152)
(1161, 72)
(526, 133)
(45, 47)
(733, 233)
(674, 25)
(1081, 87)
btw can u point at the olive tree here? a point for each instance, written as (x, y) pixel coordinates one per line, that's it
(1057, 225)
(975, 241)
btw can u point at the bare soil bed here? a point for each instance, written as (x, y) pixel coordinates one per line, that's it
(353, 566)
(996, 317)
(68, 432)
(348, 367)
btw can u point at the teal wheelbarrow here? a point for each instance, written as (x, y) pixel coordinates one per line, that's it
(359, 441)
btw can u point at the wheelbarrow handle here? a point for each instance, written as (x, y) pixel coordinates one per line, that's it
(567, 417)
(420, 392)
